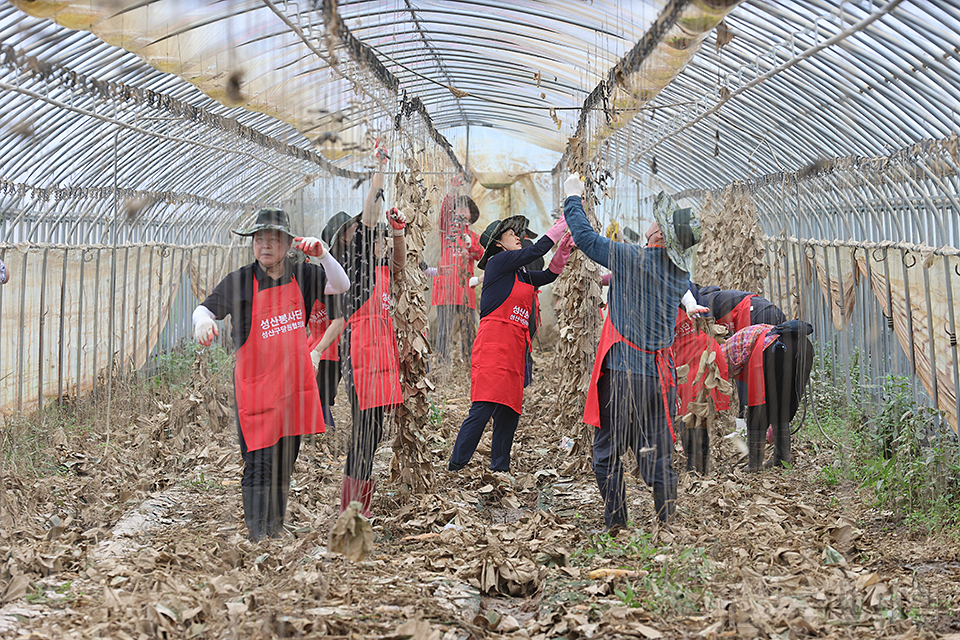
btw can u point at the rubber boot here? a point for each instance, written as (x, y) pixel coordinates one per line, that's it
(782, 455)
(255, 507)
(698, 444)
(354, 490)
(277, 510)
(665, 501)
(756, 447)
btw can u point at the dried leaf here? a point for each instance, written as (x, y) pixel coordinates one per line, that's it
(352, 534)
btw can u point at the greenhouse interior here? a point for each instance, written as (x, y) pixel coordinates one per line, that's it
(607, 319)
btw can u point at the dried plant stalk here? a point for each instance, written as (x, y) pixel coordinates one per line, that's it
(702, 411)
(577, 296)
(731, 254)
(411, 465)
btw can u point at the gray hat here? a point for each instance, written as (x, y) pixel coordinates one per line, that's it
(268, 219)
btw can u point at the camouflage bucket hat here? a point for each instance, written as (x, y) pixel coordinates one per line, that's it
(518, 224)
(680, 228)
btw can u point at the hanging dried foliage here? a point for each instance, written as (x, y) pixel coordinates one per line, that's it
(412, 464)
(731, 254)
(577, 295)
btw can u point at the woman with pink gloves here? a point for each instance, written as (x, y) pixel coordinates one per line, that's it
(503, 339)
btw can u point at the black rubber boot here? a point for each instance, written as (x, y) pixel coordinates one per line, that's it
(276, 511)
(665, 501)
(756, 447)
(782, 454)
(697, 447)
(255, 507)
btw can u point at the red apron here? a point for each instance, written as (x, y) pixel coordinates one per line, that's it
(318, 323)
(688, 346)
(752, 374)
(739, 316)
(276, 390)
(373, 348)
(451, 284)
(500, 349)
(609, 336)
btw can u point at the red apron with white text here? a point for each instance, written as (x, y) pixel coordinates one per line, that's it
(739, 316)
(499, 351)
(609, 336)
(319, 321)
(688, 347)
(373, 348)
(752, 374)
(276, 390)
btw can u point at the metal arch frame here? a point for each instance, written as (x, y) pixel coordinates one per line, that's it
(916, 102)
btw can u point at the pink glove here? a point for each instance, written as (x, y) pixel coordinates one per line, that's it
(556, 231)
(605, 279)
(562, 254)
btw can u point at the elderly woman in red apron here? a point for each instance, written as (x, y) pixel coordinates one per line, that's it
(369, 356)
(276, 392)
(503, 339)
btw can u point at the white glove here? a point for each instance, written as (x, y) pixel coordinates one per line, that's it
(690, 304)
(573, 186)
(313, 247)
(467, 242)
(474, 281)
(204, 326)
(315, 359)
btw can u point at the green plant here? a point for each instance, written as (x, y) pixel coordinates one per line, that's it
(627, 596)
(912, 465)
(673, 577)
(436, 412)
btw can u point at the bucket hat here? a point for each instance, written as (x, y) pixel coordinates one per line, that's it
(518, 224)
(680, 228)
(268, 219)
(333, 226)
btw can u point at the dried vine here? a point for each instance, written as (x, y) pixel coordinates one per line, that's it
(577, 294)
(412, 464)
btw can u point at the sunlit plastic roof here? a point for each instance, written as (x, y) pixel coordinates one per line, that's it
(792, 83)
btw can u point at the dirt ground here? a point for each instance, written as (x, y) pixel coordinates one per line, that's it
(144, 538)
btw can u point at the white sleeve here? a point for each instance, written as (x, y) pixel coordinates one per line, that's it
(337, 280)
(689, 301)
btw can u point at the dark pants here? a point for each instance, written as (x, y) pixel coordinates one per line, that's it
(505, 422)
(266, 484)
(451, 317)
(328, 379)
(786, 370)
(633, 416)
(364, 438)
